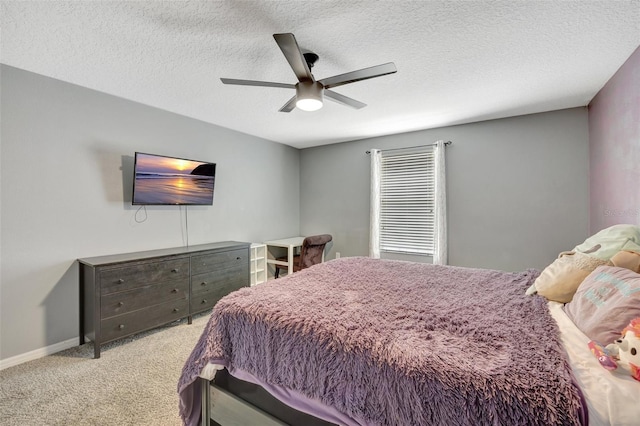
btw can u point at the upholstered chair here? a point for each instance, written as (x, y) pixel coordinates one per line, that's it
(310, 253)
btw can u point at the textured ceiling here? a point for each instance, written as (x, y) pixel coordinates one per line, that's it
(458, 61)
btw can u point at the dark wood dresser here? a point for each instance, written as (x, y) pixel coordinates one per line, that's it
(124, 294)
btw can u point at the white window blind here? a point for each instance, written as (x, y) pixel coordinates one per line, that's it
(407, 202)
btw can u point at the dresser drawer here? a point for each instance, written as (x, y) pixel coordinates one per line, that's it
(219, 261)
(127, 301)
(236, 277)
(199, 304)
(143, 319)
(207, 296)
(143, 274)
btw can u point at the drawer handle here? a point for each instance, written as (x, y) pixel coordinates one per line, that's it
(175, 290)
(203, 301)
(121, 326)
(175, 310)
(203, 283)
(120, 303)
(120, 281)
(238, 258)
(174, 270)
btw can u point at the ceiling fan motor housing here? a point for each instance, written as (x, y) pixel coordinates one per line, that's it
(311, 58)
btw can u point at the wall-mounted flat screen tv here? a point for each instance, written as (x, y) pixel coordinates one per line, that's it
(161, 180)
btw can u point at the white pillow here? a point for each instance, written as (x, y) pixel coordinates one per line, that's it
(560, 280)
(610, 241)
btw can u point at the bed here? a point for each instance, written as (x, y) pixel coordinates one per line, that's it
(360, 341)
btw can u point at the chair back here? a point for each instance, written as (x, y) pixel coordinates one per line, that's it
(312, 249)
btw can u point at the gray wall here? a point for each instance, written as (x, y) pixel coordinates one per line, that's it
(518, 193)
(66, 170)
(517, 189)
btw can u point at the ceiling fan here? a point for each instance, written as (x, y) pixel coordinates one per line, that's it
(309, 91)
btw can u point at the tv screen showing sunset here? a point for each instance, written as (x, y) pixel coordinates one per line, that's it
(168, 180)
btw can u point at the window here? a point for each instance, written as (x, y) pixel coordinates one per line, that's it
(407, 201)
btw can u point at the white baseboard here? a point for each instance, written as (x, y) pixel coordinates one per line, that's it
(38, 353)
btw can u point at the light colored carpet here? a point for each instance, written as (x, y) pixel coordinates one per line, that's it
(134, 382)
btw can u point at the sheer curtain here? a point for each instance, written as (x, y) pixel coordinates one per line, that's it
(440, 229)
(374, 209)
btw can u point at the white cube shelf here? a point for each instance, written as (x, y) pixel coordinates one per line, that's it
(258, 263)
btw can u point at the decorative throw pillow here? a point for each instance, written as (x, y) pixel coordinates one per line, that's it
(560, 280)
(627, 259)
(605, 302)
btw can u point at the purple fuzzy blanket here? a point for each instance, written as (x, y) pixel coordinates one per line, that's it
(398, 343)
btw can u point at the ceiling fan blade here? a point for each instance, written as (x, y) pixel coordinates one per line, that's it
(342, 99)
(289, 106)
(256, 83)
(363, 74)
(289, 46)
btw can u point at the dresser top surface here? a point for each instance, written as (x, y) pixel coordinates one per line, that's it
(150, 254)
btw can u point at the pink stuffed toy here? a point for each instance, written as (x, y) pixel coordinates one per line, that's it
(626, 351)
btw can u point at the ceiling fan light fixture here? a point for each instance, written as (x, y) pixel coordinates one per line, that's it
(309, 95)
(309, 104)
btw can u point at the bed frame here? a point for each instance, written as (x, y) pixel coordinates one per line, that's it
(227, 400)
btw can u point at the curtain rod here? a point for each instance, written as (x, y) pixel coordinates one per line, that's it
(410, 147)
